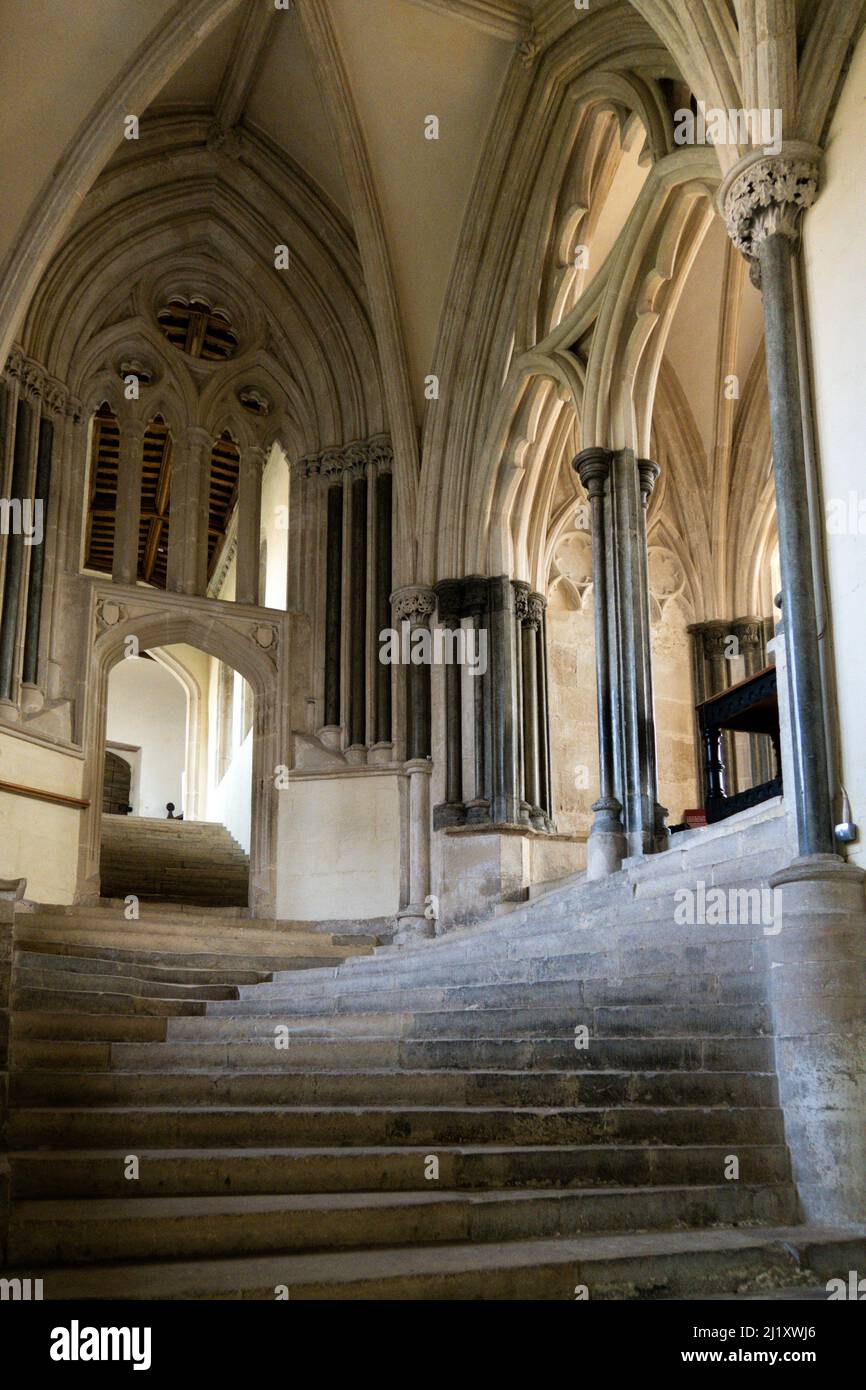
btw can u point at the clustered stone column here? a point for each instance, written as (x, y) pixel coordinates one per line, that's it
(628, 817)
(606, 847)
(815, 952)
(763, 198)
(511, 782)
(127, 523)
(188, 522)
(350, 491)
(252, 467)
(30, 404)
(415, 604)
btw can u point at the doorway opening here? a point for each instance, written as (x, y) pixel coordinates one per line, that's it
(177, 778)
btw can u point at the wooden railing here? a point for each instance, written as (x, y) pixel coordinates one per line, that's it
(56, 798)
(750, 707)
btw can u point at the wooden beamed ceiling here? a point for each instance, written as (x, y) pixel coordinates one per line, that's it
(155, 514)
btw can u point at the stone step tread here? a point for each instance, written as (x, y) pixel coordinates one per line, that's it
(396, 1267)
(61, 964)
(76, 981)
(361, 1151)
(116, 1111)
(49, 1210)
(176, 960)
(408, 1073)
(33, 998)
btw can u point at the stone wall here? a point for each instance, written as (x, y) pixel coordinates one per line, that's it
(338, 846)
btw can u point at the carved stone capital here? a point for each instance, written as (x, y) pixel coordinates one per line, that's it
(55, 399)
(381, 453)
(331, 464)
(450, 599)
(766, 194)
(714, 638)
(14, 363)
(749, 633)
(521, 599)
(352, 459)
(648, 475)
(356, 460)
(31, 381)
(414, 603)
(535, 606)
(592, 466)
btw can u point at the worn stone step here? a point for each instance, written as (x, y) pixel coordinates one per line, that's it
(84, 1232)
(697, 988)
(260, 1126)
(635, 1020)
(741, 1055)
(651, 1265)
(135, 936)
(77, 1001)
(277, 1087)
(174, 963)
(75, 981)
(654, 964)
(131, 967)
(59, 1028)
(93, 1172)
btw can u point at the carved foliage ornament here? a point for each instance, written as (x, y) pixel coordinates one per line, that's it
(414, 605)
(768, 197)
(351, 458)
(36, 386)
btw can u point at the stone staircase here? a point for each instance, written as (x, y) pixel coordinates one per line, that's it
(177, 861)
(316, 1114)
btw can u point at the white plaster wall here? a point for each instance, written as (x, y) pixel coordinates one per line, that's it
(39, 841)
(230, 801)
(338, 850)
(834, 255)
(229, 798)
(147, 708)
(275, 528)
(197, 666)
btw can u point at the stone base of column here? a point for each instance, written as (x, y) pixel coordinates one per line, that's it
(356, 755)
(816, 955)
(331, 735)
(448, 813)
(412, 925)
(661, 834)
(606, 847)
(605, 851)
(380, 754)
(32, 698)
(478, 812)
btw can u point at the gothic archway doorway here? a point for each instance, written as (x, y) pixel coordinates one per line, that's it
(249, 649)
